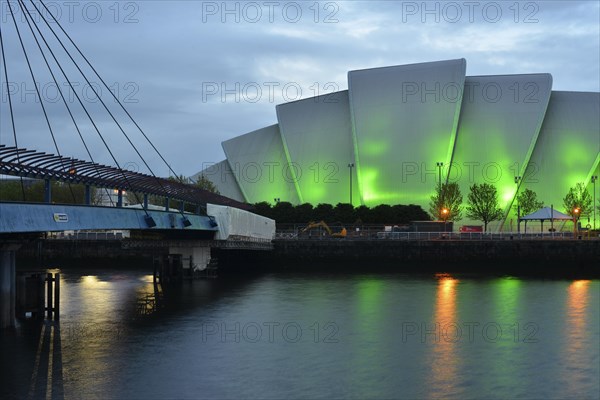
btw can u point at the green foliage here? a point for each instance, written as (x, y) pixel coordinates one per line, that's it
(263, 208)
(303, 212)
(528, 202)
(62, 193)
(449, 197)
(381, 214)
(483, 204)
(181, 179)
(201, 183)
(284, 212)
(578, 197)
(205, 184)
(406, 214)
(323, 212)
(362, 213)
(344, 212)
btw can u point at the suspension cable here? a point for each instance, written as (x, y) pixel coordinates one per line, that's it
(55, 20)
(114, 96)
(94, 90)
(31, 24)
(12, 116)
(89, 115)
(37, 91)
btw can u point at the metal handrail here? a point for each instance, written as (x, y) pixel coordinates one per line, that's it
(433, 236)
(38, 165)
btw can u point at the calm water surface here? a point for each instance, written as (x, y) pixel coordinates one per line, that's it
(311, 336)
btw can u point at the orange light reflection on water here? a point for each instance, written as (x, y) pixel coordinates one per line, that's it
(577, 304)
(444, 361)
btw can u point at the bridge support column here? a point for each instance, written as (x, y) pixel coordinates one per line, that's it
(120, 198)
(88, 195)
(47, 191)
(8, 285)
(167, 203)
(198, 251)
(145, 201)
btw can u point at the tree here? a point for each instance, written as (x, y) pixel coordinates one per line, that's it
(181, 179)
(263, 208)
(483, 204)
(323, 212)
(344, 212)
(204, 183)
(579, 199)
(446, 197)
(363, 214)
(34, 191)
(528, 202)
(303, 212)
(382, 214)
(283, 212)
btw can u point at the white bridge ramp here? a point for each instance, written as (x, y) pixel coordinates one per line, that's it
(238, 226)
(237, 229)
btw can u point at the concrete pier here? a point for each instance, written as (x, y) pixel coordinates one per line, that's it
(197, 253)
(8, 284)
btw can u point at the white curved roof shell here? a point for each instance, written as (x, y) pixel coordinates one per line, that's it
(317, 136)
(404, 120)
(499, 124)
(260, 166)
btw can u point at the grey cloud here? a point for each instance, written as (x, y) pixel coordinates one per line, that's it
(170, 52)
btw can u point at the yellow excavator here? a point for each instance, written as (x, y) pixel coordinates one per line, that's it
(322, 224)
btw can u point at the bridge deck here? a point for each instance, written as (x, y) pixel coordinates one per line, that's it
(35, 217)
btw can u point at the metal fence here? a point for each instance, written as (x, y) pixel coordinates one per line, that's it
(373, 234)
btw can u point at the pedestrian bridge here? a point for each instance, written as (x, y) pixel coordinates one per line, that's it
(222, 223)
(38, 217)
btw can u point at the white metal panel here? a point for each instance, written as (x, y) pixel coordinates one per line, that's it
(221, 175)
(234, 223)
(404, 120)
(260, 166)
(500, 120)
(317, 136)
(568, 147)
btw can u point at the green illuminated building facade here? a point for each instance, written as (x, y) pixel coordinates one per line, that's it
(399, 130)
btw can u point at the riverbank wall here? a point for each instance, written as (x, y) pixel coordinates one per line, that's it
(523, 257)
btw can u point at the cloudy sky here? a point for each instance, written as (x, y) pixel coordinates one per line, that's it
(194, 73)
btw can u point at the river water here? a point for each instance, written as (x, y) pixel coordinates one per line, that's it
(310, 336)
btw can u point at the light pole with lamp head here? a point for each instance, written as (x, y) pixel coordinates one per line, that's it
(439, 165)
(445, 215)
(594, 179)
(351, 165)
(517, 180)
(576, 212)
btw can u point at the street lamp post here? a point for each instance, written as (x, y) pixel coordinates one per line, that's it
(517, 180)
(439, 165)
(576, 212)
(445, 213)
(351, 165)
(594, 179)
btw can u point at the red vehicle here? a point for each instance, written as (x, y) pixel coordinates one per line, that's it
(471, 228)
